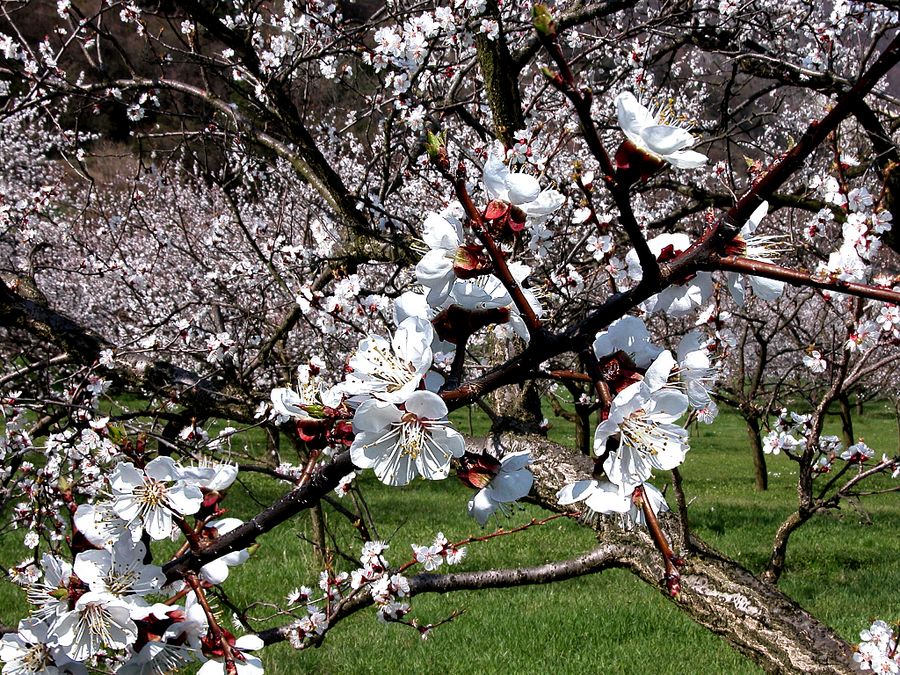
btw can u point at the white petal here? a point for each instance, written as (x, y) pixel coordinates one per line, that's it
(576, 492)
(495, 175)
(667, 405)
(756, 217)
(410, 304)
(665, 140)
(451, 441)
(481, 507)
(185, 499)
(735, 283)
(686, 159)
(163, 468)
(633, 117)
(251, 642)
(412, 342)
(214, 572)
(516, 460)
(157, 523)
(125, 477)
(375, 416)
(509, 487)
(425, 404)
(439, 233)
(286, 402)
(668, 456)
(607, 499)
(658, 372)
(547, 202)
(522, 188)
(395, 468)
(767, 289)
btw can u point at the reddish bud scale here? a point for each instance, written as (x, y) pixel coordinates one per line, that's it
(673, 584)
(634, 163)
(477, 471)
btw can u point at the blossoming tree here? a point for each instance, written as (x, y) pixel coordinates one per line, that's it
(342, 223)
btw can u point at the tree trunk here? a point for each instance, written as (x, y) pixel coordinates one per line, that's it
(752, 615)
(583, 440)
(846, 420)
(761, 474)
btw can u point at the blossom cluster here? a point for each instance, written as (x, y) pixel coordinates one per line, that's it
(877, 651)
(639, 435)
(111, 606)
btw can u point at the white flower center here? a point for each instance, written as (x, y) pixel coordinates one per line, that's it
(641, 432)
(151, 495)
(94, 620)
(36, 659)
(389, 367)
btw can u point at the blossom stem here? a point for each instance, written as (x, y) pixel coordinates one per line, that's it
(794, 277)
(215, 630)
(501, 270)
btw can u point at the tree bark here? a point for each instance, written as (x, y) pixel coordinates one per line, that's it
(752, 615)
(846, 420)
(761, 473)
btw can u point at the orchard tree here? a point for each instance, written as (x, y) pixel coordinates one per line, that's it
(337, 224)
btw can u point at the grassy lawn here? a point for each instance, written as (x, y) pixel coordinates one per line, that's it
(842, 567)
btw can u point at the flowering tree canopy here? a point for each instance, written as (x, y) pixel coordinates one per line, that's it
(338, 223)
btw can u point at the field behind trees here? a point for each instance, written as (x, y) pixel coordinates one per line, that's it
(841, 567)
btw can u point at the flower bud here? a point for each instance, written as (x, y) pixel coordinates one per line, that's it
(543, 21)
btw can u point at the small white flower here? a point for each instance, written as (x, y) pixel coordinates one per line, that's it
(642, 415)
(815, 362)
(443, 234)
(662, 141)
(676, 300)
(630, 335)
(605, 497)
(246, 663)
(99, 621)
(398, 445)
(391, 371)
(749, 245)
(149, 498)
(518, 189)
(512, 482)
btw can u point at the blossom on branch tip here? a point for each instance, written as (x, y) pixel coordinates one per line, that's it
(516, 195)
(678, 299)
(504, 483)
(31, 649)
(400, 444)
(642, 416)
(606, 498)
(391, 371)
(749, 245)
(651, 137)
(149, 498)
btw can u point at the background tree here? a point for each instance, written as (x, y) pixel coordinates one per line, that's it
(204, 208)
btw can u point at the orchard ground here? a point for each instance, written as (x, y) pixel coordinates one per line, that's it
(842, 566)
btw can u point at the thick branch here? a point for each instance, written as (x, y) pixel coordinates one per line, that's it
(755, 617)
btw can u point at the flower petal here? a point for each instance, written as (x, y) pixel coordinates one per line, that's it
(427, 405)
(495, 175)
(576, 492)
(375, 416)
(522, 188)
(665, 140)
(686, 159)
(439, 233)
(633, 117)
(767, 289)
(509, 487)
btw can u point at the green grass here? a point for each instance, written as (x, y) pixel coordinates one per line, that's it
(841, 566)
